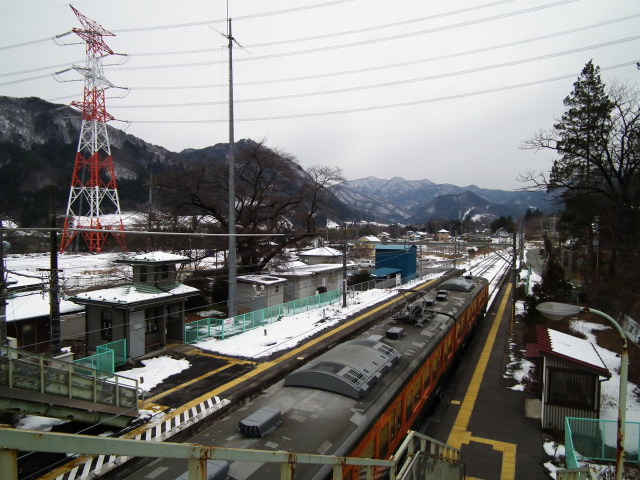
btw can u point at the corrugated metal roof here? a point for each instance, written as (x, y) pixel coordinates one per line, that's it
(572, 349)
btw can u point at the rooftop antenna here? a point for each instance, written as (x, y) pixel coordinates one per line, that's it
(94, 180)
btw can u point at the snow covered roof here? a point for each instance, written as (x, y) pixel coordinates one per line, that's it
(134, 294)
(369, 238)
(27, 305)
(154, 257)
(308, 270)
(321, 252)
(23, 279)
(260, 279)
(570, 348)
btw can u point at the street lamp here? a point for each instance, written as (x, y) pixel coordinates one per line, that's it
(558, 311)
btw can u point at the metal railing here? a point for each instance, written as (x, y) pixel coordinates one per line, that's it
(222, 328)
(595, 439)
(35, 373)
(405, 464)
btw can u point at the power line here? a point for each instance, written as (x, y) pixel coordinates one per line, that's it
(358, 43)
(394, 83)
(394, 65)
(224, 20)
(385, 106)
(310, 77)
(337, 34)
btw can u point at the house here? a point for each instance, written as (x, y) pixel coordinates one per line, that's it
(393, 260)
(364, 246)
(310, 280)
(259, 291)
(570, 370)
(321, 255)
(148, 313)
(28, 316)
(442, 235)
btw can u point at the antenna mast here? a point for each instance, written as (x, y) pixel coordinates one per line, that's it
(94, 180)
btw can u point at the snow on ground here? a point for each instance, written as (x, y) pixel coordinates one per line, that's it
(155, 371)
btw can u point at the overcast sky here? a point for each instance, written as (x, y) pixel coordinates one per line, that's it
(414, 88)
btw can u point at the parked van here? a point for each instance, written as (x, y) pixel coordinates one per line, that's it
(364, 263)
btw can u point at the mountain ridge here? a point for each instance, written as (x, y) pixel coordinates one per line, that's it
(38, 146)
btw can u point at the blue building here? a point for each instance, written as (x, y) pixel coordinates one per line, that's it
(394, 259)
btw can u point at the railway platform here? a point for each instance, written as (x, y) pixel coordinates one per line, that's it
(481, 416)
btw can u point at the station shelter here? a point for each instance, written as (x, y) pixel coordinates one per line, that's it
(145, 313)
(570, 372)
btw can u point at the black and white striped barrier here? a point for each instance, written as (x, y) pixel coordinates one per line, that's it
(158, 431)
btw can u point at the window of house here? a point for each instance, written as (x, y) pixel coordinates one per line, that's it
(143, 275)
(165, 271)
(106, 325)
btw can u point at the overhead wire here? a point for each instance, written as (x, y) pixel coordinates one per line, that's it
(388, 84)
(383, 106)
(371, 41)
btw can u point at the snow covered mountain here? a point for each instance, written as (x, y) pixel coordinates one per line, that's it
(418, 201)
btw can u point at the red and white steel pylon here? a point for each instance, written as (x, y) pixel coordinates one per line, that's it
(93, 208)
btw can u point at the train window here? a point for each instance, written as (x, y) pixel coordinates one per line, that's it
(426, 378)
(368, 450)
(392, 419)
(399, 416)
(408, 406)
(383, 443)
(416, 394)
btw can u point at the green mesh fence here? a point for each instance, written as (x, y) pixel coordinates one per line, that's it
(119, 348)
(595, 439)
(102, 361)
(198, 330)
(222, 328)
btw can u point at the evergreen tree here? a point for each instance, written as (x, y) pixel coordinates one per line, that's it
(581, 142)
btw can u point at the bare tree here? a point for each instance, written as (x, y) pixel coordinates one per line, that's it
(271, 191)
(323, 177)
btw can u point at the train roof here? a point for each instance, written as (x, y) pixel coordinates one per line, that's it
(348, 369)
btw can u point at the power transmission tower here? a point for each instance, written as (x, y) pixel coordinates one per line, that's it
(93, 185)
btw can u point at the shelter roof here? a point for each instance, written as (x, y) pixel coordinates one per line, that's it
(153, 257)
(260, 279)
(136, 293)
(384, 271)
(569, 348)
(28, 305)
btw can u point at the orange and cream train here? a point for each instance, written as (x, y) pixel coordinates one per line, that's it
(360, 397)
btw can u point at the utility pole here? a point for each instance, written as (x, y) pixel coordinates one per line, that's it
(232, 301)
(344, 266)
(3, 293)
(54, 300)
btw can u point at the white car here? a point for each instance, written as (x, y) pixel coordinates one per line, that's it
(351, 265)
(366, 263)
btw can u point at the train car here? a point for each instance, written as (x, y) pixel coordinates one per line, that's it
(360, 397)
